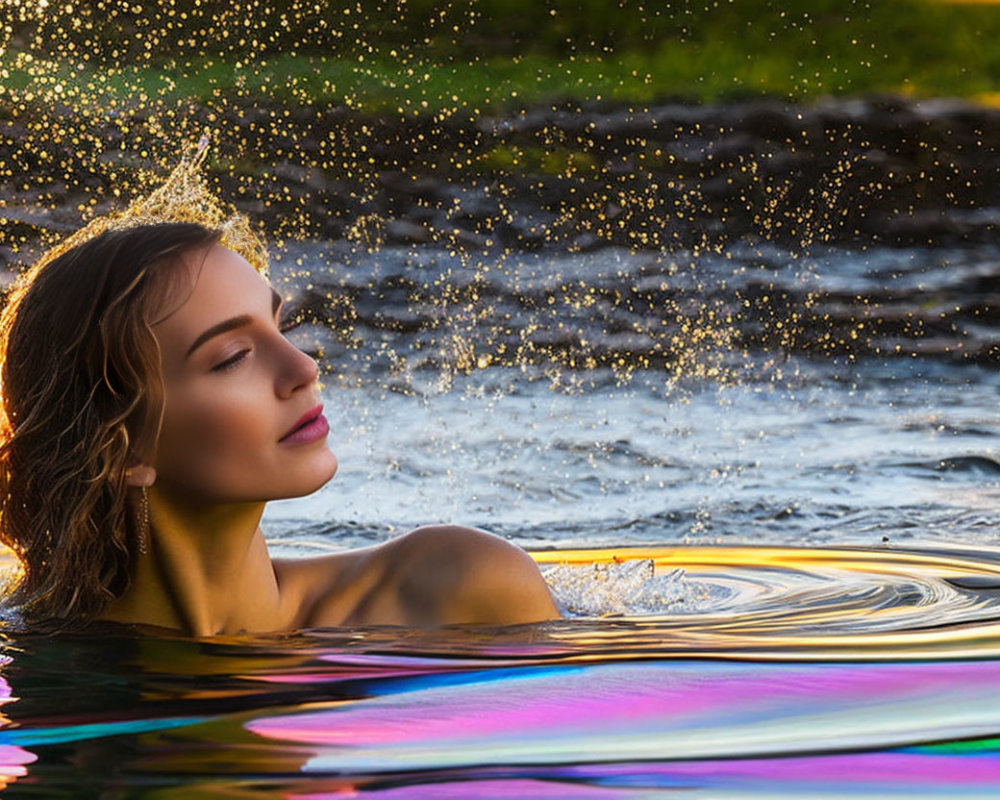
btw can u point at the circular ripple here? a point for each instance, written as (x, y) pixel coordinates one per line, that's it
(861, 603)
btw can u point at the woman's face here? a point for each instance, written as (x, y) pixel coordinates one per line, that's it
(242, 419)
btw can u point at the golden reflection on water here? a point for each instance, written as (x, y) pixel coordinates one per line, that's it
(756, 603)
(808, 604)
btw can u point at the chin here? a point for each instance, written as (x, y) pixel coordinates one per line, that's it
(302, 488)
(304, 479)
(323, 473)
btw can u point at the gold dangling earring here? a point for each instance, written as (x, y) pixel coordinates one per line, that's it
(144, 522)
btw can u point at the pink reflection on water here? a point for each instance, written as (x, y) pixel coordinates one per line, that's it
(541, 705)
(899, 772)
(13, 761)
(898, 769)
(628, 698)
(12, 758)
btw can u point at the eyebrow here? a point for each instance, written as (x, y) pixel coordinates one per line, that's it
(231, 324)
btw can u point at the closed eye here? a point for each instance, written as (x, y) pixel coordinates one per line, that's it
(232, 362)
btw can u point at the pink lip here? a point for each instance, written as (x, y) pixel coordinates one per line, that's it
(311, 426)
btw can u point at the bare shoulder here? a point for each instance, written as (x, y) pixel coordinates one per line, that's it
(447, 574)
(436, 575)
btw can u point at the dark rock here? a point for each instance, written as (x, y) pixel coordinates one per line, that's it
(422, 187)
(19, 219)
(402, 231)
(587, 243)
(466, 240)
(770, 122)
(530, 229)
(877, 168)
(944, 226)
(306, 177)
(471, 204)
(426, 215)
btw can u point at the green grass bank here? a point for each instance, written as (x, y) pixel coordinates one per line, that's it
(419, 56)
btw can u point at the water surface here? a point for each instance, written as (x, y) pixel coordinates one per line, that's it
(773, 528)
(624, 399)
(770, 672)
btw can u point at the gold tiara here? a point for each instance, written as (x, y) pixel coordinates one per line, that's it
(183, 197)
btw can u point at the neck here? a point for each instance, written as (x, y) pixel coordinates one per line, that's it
(207, 570)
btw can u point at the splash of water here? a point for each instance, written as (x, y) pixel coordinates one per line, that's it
(182, 197)
(345, 124)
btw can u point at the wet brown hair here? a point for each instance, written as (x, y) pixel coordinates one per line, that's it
(80, 402)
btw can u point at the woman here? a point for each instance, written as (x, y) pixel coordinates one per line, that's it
(150, 408)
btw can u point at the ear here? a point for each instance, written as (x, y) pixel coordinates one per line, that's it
(140, 475)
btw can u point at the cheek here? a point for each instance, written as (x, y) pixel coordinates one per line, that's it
(212, 433)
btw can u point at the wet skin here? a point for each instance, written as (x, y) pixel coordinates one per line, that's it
(242, 425)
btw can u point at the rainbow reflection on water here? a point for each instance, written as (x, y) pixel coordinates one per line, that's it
(790, 673)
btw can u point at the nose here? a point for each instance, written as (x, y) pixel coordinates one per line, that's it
(297, 369)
